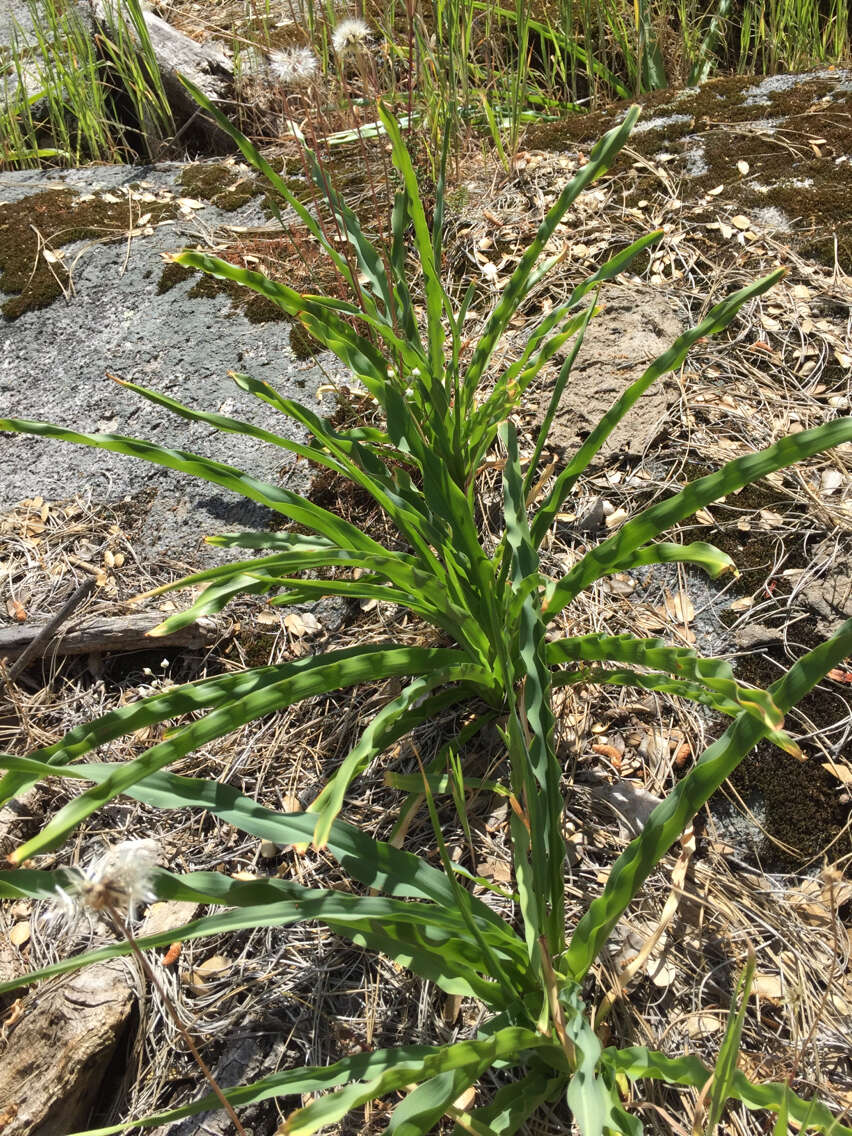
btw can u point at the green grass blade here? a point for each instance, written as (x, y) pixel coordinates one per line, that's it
(665, 684)
(509, 1044)
(670, 818)
(495, 968)
(372, 863)
(531, 722)
(684, 662)
(317, 675)
(729, 1051)
(291, 505)
(436, 298)
(431, 941)
(194, 696)
(706, 556)
(288, 1083)
(716, 320)
(556, 397)
(231, 425)
(702, 65)
(602, 155)
(213, 600)
(368, 258)
(362, 358)
(513, 1105)
(392, 722)
(424, 1106)
(256, 159)
(638, 1063)
(587, 1095)
(642, 529)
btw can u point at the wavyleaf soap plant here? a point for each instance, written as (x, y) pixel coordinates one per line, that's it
(443, 409)
(535, 1024)
(441, 419)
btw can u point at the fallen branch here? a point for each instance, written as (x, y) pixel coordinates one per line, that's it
(24, 642)
(38, 644)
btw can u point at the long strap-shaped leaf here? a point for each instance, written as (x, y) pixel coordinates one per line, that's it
(531, 723)
(410, 516)
(638, 1063)
(432, 941)
(256, 159)
(508, 1044)
(324, 325)
(642, 529)
(512, 1105)
(666, 684)
(371, 862)
(289, 1082)
(291, 505)
(718, 318)
(369, 260)
(230, 425)
(670, 818)
(436, 298)
(715, 674)
(194, 696)
(706, 556)
(599, 161)
(392, 722)
(319, 675)
(422, 1108)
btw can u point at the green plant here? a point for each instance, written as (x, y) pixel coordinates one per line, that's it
(77, 77)
(493, 605)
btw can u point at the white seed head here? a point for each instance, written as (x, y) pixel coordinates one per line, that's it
(119, 880)
(294, 67)
(350, 37)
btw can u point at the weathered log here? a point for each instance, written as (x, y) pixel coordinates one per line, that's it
(107, 633)
(54, 1063)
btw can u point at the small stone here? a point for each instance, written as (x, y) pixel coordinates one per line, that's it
(268, 849)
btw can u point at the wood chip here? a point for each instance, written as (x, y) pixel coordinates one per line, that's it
(769, 986)
(843, 773)
(20, 934)
(703, 1025)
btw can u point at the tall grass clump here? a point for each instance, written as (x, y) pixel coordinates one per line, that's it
(444, 408)
(73, 96)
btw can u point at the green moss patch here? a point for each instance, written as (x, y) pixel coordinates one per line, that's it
(60, 217)
(797, 142)
(222, 185)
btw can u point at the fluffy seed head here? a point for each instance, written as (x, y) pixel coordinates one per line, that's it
(295, 67)
(118, 880)
(350, 37)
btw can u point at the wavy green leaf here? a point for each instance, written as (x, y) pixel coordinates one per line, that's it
(637, 1063)
(672, 816)
(292, 683)
(642, 529)
(715, 674)
(510, 1043)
